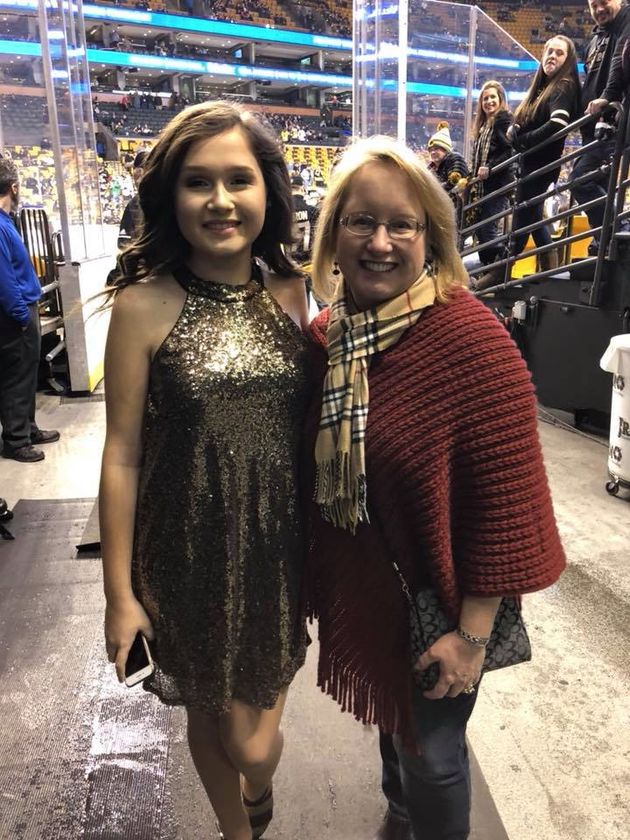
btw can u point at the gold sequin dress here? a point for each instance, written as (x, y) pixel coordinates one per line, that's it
(218, 547)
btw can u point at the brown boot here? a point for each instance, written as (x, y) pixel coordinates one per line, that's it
(393, 829)
(492, 277)
(549, 260)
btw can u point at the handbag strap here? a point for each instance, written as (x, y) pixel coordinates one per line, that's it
(404, 585)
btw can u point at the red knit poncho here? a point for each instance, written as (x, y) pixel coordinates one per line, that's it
(456, 492)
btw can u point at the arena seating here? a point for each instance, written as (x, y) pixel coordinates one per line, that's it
(37, 175)
(314, 15)
(531, 25)
(22, 118)
(315, 157)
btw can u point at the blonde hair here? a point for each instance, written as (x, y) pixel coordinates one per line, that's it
(441, 231)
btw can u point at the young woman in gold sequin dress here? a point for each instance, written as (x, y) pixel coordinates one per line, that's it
(206, 375)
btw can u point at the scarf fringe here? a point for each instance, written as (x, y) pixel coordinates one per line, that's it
(341, 494)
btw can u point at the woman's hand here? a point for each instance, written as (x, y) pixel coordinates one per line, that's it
(483, 172)
(460, 665)
(123, 619)
(512, 131)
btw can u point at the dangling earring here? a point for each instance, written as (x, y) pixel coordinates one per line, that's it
(336, 270)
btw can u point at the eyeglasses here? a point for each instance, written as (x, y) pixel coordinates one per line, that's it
(403, 227)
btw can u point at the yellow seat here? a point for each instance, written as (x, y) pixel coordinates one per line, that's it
(578, 250)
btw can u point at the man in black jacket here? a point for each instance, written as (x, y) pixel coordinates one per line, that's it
(612, 29)
(131, 221)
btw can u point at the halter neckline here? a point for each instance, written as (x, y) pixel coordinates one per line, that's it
(224, 292)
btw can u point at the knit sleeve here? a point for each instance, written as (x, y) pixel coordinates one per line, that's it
(505, 540)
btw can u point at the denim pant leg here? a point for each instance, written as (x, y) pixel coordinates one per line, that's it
(436, 783)
(596, 185)
(486, 233)
(391, 782)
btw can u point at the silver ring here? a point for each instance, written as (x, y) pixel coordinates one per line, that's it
(469, 689)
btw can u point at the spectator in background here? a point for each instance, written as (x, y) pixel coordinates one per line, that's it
(491, 148)
(132, 216)
(449, 166)
(618, 80)
(301, 220)
(306, 176)
(550, 104)
(612, 30)
(20, 339)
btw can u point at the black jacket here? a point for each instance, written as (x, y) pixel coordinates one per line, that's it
(130, 223)
(564, 104)
(619, 77)
(452, 165)
(500, 150)
(605, 45)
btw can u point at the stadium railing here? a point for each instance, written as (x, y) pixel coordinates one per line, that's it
(608, 233)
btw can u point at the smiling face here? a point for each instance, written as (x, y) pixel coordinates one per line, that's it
(554, 56)
(220, 200)
(490, 101)
(604, 12)
(377, 268)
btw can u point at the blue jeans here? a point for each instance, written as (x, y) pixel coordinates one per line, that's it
(432, 790)
(595, 186)
(486, 233)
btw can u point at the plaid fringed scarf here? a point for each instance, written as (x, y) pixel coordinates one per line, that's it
(340, 487)
(481, 151)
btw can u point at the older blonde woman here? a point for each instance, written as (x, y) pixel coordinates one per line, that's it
(426, 453)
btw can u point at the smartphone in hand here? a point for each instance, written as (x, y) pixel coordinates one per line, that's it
(139, 663)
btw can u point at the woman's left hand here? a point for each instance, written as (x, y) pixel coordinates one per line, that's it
(460, 665)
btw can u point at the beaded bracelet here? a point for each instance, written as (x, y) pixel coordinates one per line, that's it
(478, 641)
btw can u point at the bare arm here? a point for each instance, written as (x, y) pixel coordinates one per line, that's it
(127, 362)
(291, 296)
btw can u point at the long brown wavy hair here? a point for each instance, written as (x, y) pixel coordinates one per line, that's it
(542, 86)
(161, 246)
(480, 117)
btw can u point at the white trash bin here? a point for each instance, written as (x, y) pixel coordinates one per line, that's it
(616, 360)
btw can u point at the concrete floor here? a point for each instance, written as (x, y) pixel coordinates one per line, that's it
(552, 736)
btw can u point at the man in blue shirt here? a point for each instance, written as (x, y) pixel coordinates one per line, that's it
(20, 339)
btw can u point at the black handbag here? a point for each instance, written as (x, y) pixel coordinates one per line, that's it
(509, 643)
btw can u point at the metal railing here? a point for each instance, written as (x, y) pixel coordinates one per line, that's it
(613, 202)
